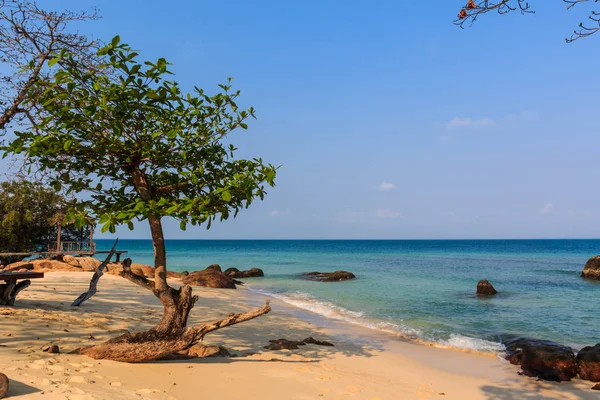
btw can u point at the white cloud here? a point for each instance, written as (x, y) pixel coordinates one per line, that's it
(468, 122)
(277, 213)
(548, 207)
(386, 187)
(387, 213)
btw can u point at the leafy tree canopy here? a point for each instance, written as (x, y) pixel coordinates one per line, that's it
(140, 147)
(27, 213)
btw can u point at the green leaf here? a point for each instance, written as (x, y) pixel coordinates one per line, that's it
(53, 61)
(115, 41)
(226, 195)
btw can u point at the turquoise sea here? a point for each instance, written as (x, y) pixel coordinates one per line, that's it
(418, 288)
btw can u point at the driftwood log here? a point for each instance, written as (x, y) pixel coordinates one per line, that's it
(94, 282)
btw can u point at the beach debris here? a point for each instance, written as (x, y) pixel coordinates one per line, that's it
(215, 267)
(95, 278)
(544, 359)
(592, 268)
(251, 273)
(284, 344)
(484, 287)
(52, 349)
(588, 363)
(4, 384)
(329, 276)
(596, 387)
(209, 278)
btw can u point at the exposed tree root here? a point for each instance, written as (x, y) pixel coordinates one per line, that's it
(156, 344)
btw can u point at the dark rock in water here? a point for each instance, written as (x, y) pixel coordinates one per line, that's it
(209, 278)
(542, 358)
(329, 276)
(4, 384)
(231, 271)
(592, 269)
(215, 267)
(484, 287)
(251, 273)
(284, 344)
(588, 363)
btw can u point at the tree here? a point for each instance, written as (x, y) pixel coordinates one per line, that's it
(143, 151)
(27, 211)
(473, 9)
(29, 38)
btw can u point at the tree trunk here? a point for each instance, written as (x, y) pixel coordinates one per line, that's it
(171, 334)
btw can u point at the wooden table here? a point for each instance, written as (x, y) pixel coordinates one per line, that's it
(9, 290)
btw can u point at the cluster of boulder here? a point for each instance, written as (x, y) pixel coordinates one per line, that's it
(211, 277)
(552, 361)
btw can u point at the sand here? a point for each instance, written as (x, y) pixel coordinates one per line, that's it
(363, 364)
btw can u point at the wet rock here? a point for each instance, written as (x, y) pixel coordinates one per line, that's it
(209, 278)
(251, 273)
(4, 384)
(329, 276)
(592, 269)
(542, 358)
(484, 287)
(588, 363)
(215, 267)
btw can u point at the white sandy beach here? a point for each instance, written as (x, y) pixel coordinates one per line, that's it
(363, 364)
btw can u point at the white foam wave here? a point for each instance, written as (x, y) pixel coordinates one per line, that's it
(471, 343)
(306, 302)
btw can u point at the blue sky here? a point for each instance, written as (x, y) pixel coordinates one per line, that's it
(388, 120)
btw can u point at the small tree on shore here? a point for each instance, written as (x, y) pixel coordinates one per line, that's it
(30, 37)
(475, 8)
(144, 150)
(26, 217)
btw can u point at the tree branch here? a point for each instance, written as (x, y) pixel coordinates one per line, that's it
(137, 279)
(200, 331)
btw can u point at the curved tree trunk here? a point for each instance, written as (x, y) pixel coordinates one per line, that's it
(171, 334)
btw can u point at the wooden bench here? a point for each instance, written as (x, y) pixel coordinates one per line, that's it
(9, 290)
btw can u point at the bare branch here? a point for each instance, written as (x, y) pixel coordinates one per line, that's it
(137, 279)
(29, 38)
(473, 9)
(200, 331)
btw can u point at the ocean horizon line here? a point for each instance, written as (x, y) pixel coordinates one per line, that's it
(358, 239)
